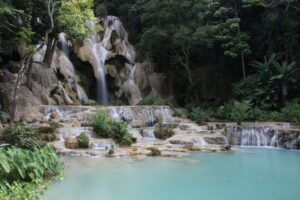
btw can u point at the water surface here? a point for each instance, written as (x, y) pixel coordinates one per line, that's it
(267, 174)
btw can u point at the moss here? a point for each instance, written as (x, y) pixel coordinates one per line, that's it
(154, 151)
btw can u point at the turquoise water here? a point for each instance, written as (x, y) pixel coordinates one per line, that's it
(262, 174)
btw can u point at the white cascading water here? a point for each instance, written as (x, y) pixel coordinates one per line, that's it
(65, 52)
(248, 135)
(101, 49)
(100, 56)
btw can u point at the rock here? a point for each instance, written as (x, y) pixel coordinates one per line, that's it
(213, 127)
(138, 157)
(184, 127)
(192, 148)
(215, 140)
(54, 115)
(71, 143)
(75, 123)
(181, 112)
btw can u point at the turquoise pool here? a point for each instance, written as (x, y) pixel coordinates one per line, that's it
(261, 174)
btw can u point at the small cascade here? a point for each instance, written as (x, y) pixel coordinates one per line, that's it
(148, 133)
(147, 115)
(275, 140)
(73, 132)
(251, 135)
(131, 76)
(199, 142)
(65, 52)
(100, 144)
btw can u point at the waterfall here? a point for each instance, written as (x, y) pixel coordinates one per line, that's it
(251, 135)
(103, 48)
(100, 56)
(65, 52)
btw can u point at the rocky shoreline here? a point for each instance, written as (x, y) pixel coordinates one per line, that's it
(187, 136)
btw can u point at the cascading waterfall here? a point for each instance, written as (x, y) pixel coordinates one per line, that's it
(65, 52)
(251, 135)
(101, 49)
(100, 56)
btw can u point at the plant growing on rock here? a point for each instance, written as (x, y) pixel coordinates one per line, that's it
(154, 151)
(83, 140)
(240, 111)
(111, 150)
(106, 127)
(163, 132)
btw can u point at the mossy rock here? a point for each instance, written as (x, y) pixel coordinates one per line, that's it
(154, 151)
(163, 133)
(191, 148)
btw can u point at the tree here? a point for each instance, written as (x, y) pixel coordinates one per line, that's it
(273, 81)
(26, 50)
(225, 22)
(76, 19)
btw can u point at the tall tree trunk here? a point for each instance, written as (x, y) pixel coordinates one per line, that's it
(236, 12)
(23, 66)
(29, 74)
(243, 65)
(51, 44)
(189, 73)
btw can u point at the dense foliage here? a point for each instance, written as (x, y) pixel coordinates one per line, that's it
(211, 50)
(23, 173)
(23, 136)
(106, 127)
(183, 37)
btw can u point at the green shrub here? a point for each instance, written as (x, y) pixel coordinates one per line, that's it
(191, 106)
(154, 151)
(20, 136)
(111, 150)
(199, 115)
(240, 111)
(148, 100)
(169, 101)
(291, 112)
(83, 140)
(46, 130)
(257, 114)
(101, 124)
(110, 128)
(275, 116)
(223, 111)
